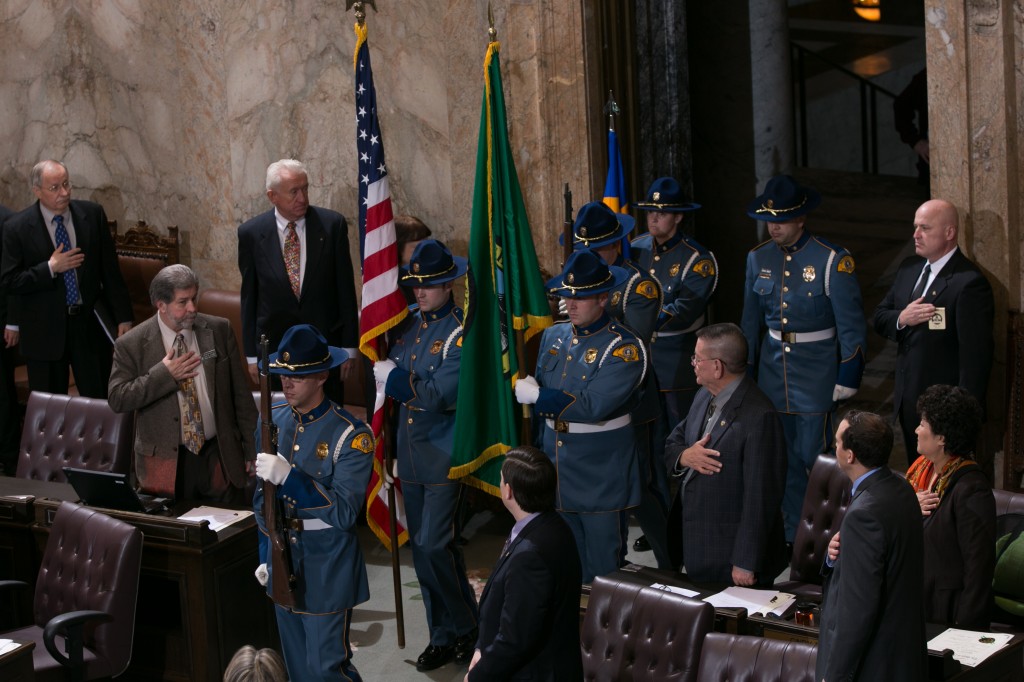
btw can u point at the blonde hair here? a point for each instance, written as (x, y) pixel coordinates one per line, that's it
(250, 665)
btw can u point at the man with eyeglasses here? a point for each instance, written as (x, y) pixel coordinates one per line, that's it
(60, 267)
(729, 455)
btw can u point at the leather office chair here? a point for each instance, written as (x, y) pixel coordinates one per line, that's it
(1008, 580)
(825, 503)
(141, 253)
(72, 431)
(631, 632)
(226, 304)
(84, 606)
(742, 658)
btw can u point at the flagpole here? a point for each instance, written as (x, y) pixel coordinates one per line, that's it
(387, 437)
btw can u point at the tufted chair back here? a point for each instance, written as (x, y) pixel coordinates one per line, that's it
(825, 503)
(742, 658)
(1008, 502)
(631, 632)
(72, 431)
(91, 562)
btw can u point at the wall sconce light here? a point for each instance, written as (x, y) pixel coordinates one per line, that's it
(869, 10)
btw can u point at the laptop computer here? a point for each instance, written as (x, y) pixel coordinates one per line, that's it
(111, 491)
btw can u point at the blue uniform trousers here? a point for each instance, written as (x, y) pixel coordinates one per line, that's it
(430, 511)
(807, 436)
(600, 540)
(320, 643)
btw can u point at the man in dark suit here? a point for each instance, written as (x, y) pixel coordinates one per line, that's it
(10, 413)
(872, 625)
(296, 268)
(59, 263)
(529, 610)
(729, 454)
(195, 417)
(940, 311)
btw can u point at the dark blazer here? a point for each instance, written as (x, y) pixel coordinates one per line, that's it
(959, 355)
(872, 624)
(732, 518)
(140, 381)
(7, 312)
(960, 553)
(328, 299)
(529, 610)
(24, 272)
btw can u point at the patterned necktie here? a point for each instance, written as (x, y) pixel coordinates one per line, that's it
(292, 252)
(191, 415)
(60, 235)
(707, 418)
(919, 289)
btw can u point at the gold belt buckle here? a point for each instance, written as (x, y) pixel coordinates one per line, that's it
(789, 337)
(561, 426)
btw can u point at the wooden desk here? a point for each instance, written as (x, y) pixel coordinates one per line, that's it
(198, 598)
(16, 666)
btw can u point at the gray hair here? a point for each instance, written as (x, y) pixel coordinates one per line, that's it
(726, 342)
(170, 279)
(35, 178)
(274, 171)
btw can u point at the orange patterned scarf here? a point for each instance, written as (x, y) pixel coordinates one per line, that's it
(920, 473)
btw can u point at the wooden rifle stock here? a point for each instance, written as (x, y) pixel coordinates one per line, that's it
(283, 580)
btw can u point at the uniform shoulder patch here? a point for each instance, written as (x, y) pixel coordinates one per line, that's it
(647, 289)
(628, 352)
(846, 264)
(363, 442)
(705, 267)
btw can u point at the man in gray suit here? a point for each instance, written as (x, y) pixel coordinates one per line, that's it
(181, 370)
(730, 456)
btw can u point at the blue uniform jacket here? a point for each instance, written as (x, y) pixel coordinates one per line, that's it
(331, 454)
(688, 274)
(588, 376)
(426, 383)
(807, 287)
(637, 303)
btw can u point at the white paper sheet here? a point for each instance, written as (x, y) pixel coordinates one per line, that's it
(218, 518)
(970, 647)
(754, 601)
(677, 590)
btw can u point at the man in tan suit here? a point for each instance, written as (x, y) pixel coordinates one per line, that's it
(181, 371)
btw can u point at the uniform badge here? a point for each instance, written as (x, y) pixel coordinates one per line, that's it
(436, 347)
(704, 267)
(616, 297)
(627, 352)
(321, 450)
(656, 196)
(766, 273)
(590, 355)
(809, 273)
(846, 265)
(363, 443)
(286, 356)
(674, 270)
(647, 290)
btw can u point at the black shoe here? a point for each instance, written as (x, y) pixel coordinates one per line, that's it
(464, 647)
(434, 657)
(641, 544)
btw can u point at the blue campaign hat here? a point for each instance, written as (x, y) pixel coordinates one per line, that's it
(782, 200)
(586, 274)
(432, 263)
(666, 196)
(597, 225)
(304, 350)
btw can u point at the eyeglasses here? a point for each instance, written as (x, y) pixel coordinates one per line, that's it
(55, 188)
(694, 360)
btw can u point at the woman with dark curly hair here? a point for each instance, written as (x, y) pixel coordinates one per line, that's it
(958, 508)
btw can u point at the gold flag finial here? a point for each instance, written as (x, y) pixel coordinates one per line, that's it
(492, 34)
(358, 4)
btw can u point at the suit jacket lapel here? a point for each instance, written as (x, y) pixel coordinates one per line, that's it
(314, 247)
(204, 339)
(41, 235)
(82, 233)
(728, 415)
(695, 427)
(270, 244)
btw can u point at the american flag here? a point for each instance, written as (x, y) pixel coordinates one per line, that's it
(383, 305)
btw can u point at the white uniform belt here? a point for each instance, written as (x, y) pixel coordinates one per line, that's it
(307, 524)
(580, 427)
(692, 328)
(802, 337)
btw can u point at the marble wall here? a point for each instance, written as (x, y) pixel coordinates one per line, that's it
(171, 111)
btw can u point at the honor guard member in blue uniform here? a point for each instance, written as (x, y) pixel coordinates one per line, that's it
(803, 290)
(422, 373)
(321, 472)
(589, 372)
(637, 303)
(688, 274)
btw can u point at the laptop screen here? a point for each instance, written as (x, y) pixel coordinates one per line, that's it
(108, 490)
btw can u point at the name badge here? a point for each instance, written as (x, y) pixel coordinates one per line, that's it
(938, 319)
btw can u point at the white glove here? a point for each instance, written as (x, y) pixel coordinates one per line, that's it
(842, 393)
(562, 310)
(527, 390)
(273, 468)
(381, 370)
(262, 575)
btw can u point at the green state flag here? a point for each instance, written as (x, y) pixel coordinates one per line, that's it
(506, 295)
